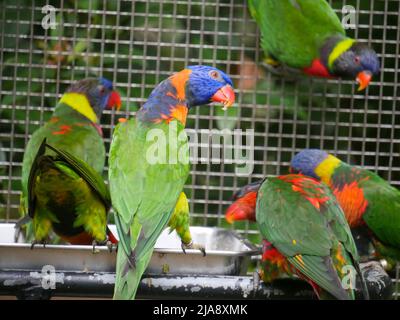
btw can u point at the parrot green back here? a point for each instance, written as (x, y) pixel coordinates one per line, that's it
(69, 131)
(382, 214)
(294, 30)
(312, 236)
(143, 194)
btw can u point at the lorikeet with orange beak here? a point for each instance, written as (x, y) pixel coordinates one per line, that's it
(368, 201)
(302, 220)
(308, 35)
(61, 186)
(149, 164)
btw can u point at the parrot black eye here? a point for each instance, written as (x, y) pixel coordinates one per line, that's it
(102, 89)
(357, 60)
(215, 75)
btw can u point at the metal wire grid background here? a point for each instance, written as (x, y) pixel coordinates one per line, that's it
(138, 43)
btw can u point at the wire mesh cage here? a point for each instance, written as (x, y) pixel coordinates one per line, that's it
(136, 44)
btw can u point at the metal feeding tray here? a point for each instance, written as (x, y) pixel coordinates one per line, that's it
(227, 254)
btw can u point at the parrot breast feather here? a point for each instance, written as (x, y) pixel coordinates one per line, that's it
(144, 195)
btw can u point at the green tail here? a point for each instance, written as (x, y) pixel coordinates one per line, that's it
(128, 278)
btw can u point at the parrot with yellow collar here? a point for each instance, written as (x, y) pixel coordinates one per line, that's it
(368, 201)
(307, 35)
(61, 184)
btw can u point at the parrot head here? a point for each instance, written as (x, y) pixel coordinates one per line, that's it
(314, 163)
(208, 84)
(252, 187)
(358, 62)
(193, 86)
(99, 93)
(244, 208)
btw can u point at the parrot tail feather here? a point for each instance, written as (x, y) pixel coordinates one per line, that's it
(128, 277)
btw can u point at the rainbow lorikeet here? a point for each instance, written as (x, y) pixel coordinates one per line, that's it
(61, 188)
(274, 265)
(301, 218)
(308, 35)
(149, 165)
(368, 201)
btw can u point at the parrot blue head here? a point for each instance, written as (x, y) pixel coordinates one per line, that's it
(99, 93)
(306, 161)
(193, 86)
(208, 84)
(359, 62)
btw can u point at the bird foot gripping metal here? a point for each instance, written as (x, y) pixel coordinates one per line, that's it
(193, 246)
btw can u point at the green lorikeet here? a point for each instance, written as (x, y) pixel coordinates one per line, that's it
(55, 192)
(307, 35)
(368, 201)
(301, 218)
(149, 165)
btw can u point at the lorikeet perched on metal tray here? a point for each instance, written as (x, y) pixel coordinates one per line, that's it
(307, 35)
(149, 165)
(55, 192)
(367, 200)
(301, 218)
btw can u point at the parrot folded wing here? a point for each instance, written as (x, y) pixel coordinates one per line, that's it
(86, 172)
(307, 233)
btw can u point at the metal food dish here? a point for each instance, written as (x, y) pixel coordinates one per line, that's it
(227, 254)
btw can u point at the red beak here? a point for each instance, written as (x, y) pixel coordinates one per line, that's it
(225, 95)
(364, 78)
(114, 101)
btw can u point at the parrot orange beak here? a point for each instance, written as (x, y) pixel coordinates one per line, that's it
(364, 78)
(114, 101)
(225, 95)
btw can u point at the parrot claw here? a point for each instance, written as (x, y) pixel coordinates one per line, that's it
(94, 244)
(106, 242)
(193, 246)
(111, 246)
(35, 242)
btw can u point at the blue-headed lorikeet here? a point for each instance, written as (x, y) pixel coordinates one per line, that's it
(368, 201)
(55, 193)
(302, 220)
(308, 35)
(149, 165)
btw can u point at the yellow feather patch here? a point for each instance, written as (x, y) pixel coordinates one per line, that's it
(182, 205)
(299, 258)
(80, 103)
(325, 169)
(341, 47)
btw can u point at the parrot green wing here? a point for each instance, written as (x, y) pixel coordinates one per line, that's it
(88, 174)
(371, 199)
(294, 30)
(69, 132)
(143, 198)
(304, 222)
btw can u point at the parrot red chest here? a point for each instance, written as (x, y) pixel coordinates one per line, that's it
(317, 69)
